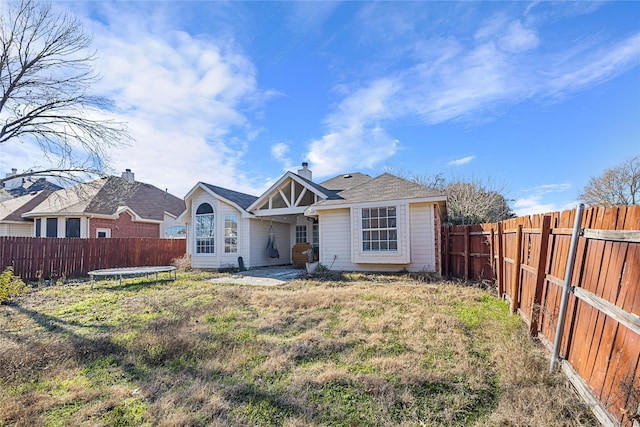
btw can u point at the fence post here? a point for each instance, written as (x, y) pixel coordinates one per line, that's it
(515, 282)
(492, 252)
(467, 252)
(500, 269)
(445, 249)
(540, 275)
(567, 286)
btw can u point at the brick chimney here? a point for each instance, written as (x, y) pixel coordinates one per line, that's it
(129, 176)
(305, 172)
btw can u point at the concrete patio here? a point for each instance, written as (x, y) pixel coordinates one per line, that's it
(266, 276)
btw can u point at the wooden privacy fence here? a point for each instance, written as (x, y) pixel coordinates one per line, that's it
(527, 257)
(37, 257)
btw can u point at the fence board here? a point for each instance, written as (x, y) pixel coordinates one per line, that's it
(597, 343)
(34, 258)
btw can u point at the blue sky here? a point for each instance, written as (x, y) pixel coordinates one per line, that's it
(534, 98)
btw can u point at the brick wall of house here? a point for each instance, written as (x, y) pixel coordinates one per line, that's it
(437, 232)
(124, 226)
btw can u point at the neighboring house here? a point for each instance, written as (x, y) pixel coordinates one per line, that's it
(107, 207)
(11, 221)
(353, 222)
(21, 186)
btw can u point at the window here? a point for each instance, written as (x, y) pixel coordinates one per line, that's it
(301, 233)
(205, 229)
(231, 233)
(379, 229)
(52, 227)
(72, 227)
(176, 232)
(315, 239)
(103, 233)
(38, 225)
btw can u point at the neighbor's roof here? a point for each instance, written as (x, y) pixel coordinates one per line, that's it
(32, 185)
(105, 196)
(382, 188)
(12, 209)
(241, 199)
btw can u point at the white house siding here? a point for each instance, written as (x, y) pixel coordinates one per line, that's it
(259, 230)
(335, 239)
(17, 230)
(228, 260)
(219, 259)
(422, 239)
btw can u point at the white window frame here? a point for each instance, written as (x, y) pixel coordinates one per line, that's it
(230, 239)
(301, 234)
(401, 255)
(212, 231)
(106, 231)
(379, 229)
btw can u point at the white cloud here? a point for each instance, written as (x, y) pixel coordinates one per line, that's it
(185, 100)
(462, 161)
(354, 139)
(537, 199)
(279, 151)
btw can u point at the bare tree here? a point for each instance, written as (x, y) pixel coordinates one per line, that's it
(475, 202)
(45, 73)
(616, 186)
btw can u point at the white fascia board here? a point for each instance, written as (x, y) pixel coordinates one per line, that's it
(280, 211)
(314, 208)
(52, 214)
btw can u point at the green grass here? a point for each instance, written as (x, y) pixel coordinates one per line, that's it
(360, 350)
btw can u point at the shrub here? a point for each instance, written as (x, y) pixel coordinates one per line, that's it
(10, 285)
(182, 263)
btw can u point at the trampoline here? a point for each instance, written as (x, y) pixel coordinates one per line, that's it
(133, 271)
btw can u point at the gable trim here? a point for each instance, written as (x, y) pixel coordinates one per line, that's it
(291, 200)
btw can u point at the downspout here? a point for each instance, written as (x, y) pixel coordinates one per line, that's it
(567, 286)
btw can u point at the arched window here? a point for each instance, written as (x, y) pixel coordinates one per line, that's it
(205, 229)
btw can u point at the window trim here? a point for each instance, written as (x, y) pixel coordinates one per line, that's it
(106, 231)
(299, 231)
(401, 255)
(230, 241)
(209, 242)
(372, 236)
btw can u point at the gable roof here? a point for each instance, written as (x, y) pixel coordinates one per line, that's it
(385, 187)
(323, 192)
(105, 196)
(241, 199)
(32, 185)
(12, 209)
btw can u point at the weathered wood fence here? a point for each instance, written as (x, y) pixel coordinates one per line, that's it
(527, 257)
(35, 257)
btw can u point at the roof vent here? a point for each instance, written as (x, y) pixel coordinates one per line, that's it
(347, 175)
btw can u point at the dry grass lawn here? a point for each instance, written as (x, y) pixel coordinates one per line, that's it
(352, 350)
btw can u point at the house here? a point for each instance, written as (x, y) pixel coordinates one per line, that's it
(11, 221)
(21, 186)
(107, 207)
(353, 222)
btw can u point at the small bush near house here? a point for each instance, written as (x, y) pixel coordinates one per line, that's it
(182, 263)
(10, 285)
